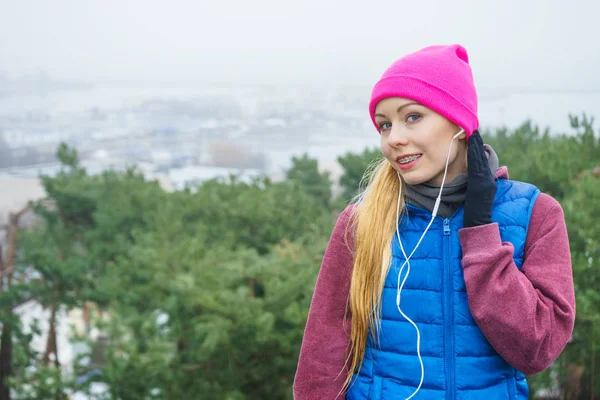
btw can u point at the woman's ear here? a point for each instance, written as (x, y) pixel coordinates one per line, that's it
(460, 133)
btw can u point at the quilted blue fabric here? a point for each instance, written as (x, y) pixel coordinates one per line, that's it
(459, 361)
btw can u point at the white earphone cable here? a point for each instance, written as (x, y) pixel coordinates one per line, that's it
(407, 262)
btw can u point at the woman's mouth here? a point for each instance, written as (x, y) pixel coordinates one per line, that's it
(407, 162)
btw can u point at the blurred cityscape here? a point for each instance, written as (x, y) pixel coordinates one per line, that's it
(179, 135)
(182, 134)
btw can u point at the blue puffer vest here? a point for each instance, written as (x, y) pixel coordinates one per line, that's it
(459, 362)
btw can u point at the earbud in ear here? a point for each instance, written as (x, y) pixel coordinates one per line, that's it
(461, 132)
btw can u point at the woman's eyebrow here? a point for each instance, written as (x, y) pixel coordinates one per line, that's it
(398, 110)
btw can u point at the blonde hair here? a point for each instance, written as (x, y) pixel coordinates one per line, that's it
(373, 224)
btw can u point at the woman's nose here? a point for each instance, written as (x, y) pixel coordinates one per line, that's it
(397, 136)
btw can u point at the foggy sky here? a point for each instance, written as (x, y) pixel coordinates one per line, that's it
(526, 44)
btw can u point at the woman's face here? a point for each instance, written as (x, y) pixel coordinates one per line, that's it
(415, 140)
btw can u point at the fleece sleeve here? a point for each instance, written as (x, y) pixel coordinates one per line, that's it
(321, 366)
(527, 315)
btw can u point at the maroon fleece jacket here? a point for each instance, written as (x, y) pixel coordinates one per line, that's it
(527, 315)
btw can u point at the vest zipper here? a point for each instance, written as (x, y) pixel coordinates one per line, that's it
(448, 314)
(446, 227)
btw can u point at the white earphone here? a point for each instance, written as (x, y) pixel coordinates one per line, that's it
(407, 262)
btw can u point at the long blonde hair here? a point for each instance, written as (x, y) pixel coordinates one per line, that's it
(373, 224)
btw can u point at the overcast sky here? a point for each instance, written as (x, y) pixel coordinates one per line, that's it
(511, 43)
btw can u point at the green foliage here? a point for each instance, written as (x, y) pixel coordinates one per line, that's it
(305, 173)
(42, 383)
(355, 166)
(205, 291)
(551, 162)
(582, 210)
(218, 326)
(207, 288)
(256, 215)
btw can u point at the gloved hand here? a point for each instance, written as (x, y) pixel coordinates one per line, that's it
(481, 185)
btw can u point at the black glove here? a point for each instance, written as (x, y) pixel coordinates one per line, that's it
(481, 185)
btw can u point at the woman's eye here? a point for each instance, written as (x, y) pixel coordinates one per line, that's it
(413, 118)
(384, 126)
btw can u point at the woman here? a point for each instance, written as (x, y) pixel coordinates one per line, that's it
(446, 279)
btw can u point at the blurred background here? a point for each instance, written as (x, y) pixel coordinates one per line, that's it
(170, 173)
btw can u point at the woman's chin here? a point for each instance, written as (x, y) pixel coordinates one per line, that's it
(413, 177)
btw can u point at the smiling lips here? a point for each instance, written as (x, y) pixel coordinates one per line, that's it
(408, 161)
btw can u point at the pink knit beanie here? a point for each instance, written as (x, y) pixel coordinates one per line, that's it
(439, 77)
